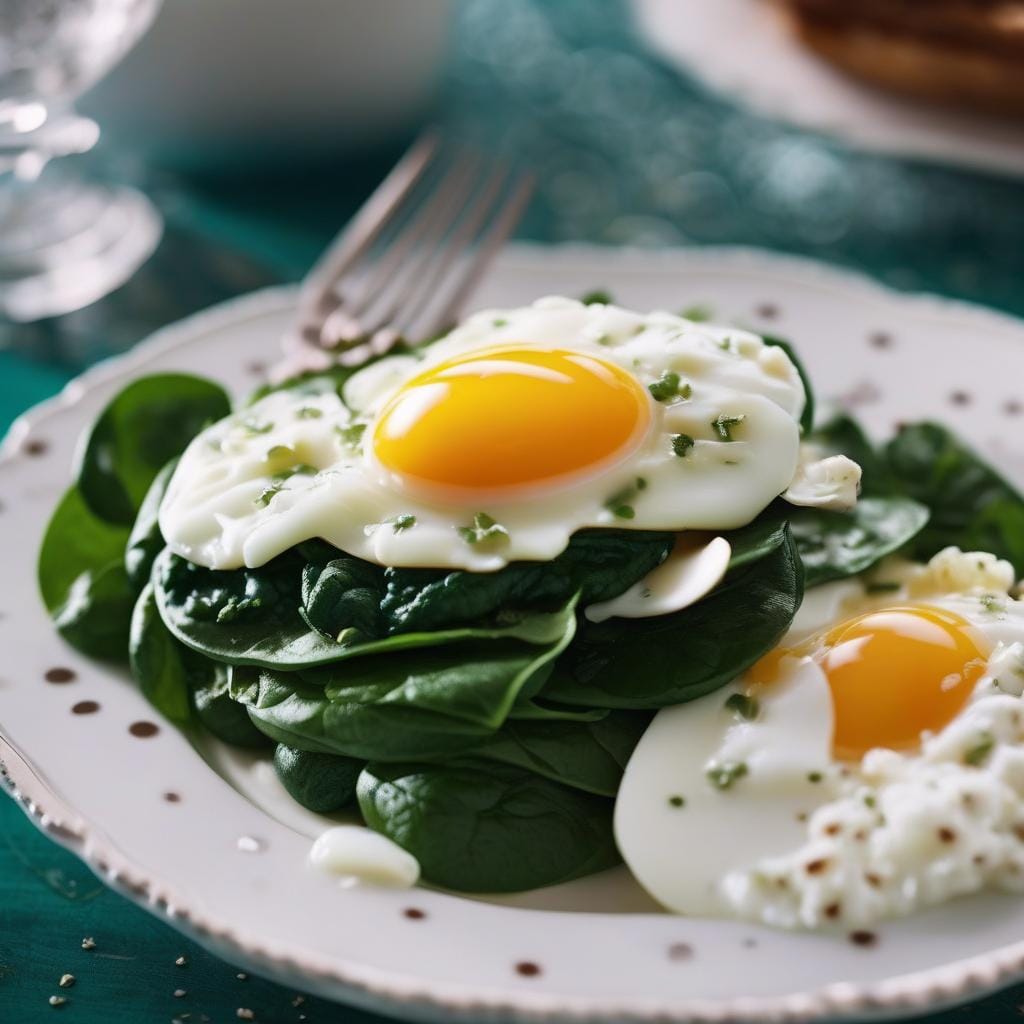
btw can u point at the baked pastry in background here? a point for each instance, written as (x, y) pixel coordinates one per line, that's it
(966, 53)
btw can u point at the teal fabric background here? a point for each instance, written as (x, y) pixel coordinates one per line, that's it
(628, 152)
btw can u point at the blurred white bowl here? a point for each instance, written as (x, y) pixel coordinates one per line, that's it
(219, 81)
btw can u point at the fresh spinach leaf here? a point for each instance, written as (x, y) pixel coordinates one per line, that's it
(834, 545)
(972, 506)
(320, 782)
(598, 564)
(149, 422)
(95, 618)
(158, 661)
(807, 416)
(585, 755)
(756, 540)
(479, 827)
(420, 704)
(146, 541)
(670, 659)
(76, 541)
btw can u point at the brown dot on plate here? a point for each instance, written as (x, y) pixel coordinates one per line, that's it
(85, 707)
(256, 368)
(528, 969)
(960, 398)
(680, 951)
(749, 943)
(414, 913)
(172, 798)
(143, 730)
(880, 339)
(1013, 407)
(863, 938)
(60, 675)
(767, 311)
(37, 446)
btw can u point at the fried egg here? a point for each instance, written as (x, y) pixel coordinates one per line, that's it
(872, 765)
(501, 440)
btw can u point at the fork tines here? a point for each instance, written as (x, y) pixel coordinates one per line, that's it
(406, 264)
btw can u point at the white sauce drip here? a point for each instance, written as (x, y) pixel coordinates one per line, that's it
(359, 854)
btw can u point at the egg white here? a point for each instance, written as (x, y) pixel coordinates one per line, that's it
(226, 507)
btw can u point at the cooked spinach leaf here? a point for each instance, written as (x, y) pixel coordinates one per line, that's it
(158, 661)
(834, 545)
(972, 506)
(96, 616)
(145, 541)
(418, 704)
(756, 540)
(480, 827)
(252, 617)
(144, 426)
(211, 694)
(598, 564)
(843, 435)
(343, 594)
(670, 659)
(585, 755)
(320, 782)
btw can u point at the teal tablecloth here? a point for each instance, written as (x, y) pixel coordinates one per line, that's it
(628, 152)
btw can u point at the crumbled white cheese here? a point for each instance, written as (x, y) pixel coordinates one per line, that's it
(830, 483)
(953, 571)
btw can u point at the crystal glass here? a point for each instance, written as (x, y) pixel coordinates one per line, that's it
(64, 242)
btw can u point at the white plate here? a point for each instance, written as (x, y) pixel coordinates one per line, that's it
(742, 49)
(233, 876)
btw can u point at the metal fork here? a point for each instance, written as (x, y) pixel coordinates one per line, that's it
(410, 258)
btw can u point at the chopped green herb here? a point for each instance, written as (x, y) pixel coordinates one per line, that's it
(726, 774)
(309, 412)
(723, 425)
(681, 444)
(351, 434)
(698, 314)
(979, 752)
(665, 387)
(267, 494)
(991, 603)
(499, 322)
(299, 469)
(484, 529)
(604, 339)
(624, 512)
(743, 706)
(725, 344)
(281, 451)
(815, 777)
(598, 297)
(882, 586)
(677, 801)
(641, 484)
(869, 800)
(405, 521)
(251, 426)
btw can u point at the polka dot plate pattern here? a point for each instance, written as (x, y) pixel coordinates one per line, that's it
(99, 771)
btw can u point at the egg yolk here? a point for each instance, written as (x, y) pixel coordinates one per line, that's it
(893, 673)
(509, 419)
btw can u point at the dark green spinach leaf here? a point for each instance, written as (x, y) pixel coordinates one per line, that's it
(585, 755)
(480, 827)
(147, 424)
(670, 659)
(597, 564)
(146, 541)
(320, 782)
(834, 545)
(807, 416)
(158, 661)
(972, 506)
(420, 704)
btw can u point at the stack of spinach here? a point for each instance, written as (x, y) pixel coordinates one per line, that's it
(479, 720)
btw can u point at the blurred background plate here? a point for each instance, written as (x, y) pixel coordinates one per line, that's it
(742, 49)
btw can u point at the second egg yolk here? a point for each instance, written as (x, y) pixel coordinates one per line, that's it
(506, 420)
(893, 673)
